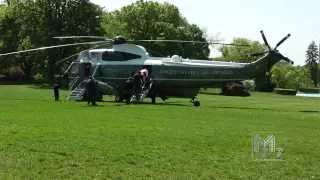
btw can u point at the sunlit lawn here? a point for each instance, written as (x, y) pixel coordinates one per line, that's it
(43, 139)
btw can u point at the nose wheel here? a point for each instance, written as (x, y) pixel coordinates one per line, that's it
(195, 101)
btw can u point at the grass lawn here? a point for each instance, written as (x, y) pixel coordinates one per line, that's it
(43, 139)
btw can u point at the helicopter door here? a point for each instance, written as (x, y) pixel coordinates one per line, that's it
(85, 70)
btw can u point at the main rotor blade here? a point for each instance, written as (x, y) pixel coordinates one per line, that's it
(282, 40)
(265, 40)
(75, 54)
(144, 40)
(51, 47)
(81, 37)
(182, 41)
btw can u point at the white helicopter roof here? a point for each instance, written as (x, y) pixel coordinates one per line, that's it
(96, 54)
(129, 48)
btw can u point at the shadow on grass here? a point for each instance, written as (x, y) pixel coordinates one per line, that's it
(243, 108)
(309, 111)
(211, 93)
(27, 99)
(148, 103)
(44, 86)
(85, 105)
(263, 109)
(220, 94)
(40, 86)
(170, 104)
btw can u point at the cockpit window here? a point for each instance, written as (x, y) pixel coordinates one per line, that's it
(94, 56)
(118, 56)
(74, 68)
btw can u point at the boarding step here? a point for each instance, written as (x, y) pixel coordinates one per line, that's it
(77, 94)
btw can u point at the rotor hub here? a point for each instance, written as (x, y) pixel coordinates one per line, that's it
(119, 40)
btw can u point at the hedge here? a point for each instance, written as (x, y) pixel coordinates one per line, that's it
(292, 92)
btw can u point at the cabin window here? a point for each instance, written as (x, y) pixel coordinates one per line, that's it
(118, 56)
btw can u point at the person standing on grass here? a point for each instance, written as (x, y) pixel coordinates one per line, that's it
(91, 90)
(56, 87)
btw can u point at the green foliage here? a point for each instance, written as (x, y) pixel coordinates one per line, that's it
(153, 20)
(29, 23)
(3, 10)
(310, 90)
(313, 62)
(291, 92)
(312, 54)
(38, 77)
(241, 53)
(291, 77)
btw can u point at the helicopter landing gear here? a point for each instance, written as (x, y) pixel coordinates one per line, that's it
(133, 99)
(195, 101)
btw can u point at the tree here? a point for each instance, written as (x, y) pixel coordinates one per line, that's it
(292, 77)
(241, 53)
(29, 24)
(313, 61)
(153, 20)
(9, 31)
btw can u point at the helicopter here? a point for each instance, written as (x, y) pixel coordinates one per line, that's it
(171, 76)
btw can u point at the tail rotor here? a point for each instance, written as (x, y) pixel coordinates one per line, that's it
(274, 50)
(265, 40)
(282, 40)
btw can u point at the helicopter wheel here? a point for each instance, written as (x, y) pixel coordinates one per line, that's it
(195, 101)
(133, 99)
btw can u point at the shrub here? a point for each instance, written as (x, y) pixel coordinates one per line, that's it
(292, 92)
(310, 90)
(38, 77)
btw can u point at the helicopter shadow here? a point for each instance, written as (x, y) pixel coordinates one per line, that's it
(211, 93)
(39, 86)
(263, 109)
(171, 104)
(149, 103)
(309, 111)
(92, 106)
(243, 108)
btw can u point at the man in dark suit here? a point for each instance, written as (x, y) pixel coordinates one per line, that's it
(91, 90)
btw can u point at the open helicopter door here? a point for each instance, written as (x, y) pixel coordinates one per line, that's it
(85, 71)
(77, 83)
